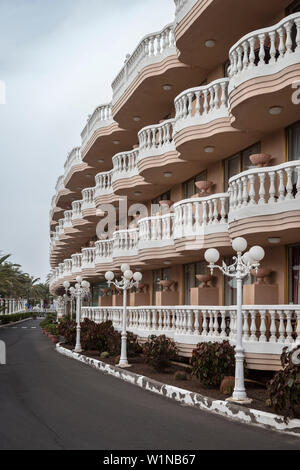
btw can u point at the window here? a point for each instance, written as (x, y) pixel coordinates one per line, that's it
(189, 188)
(190, 281)
(157, 276)
(230, 286)
(293, 136)
(238, 163)
(294, 274)
(294, 7)
(155, 202)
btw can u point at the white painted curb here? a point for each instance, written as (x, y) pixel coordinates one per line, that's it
(234, 412)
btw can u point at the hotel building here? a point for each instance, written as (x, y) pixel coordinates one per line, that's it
(205, 115)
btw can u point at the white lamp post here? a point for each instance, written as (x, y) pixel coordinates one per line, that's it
(239, 270)
(128, 281)
(81, 289)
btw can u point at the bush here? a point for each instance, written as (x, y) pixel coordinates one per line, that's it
(67, 329)
(50, 319)
(211, 362)
(159, 351)
(52, 329)
(6, 319)
(96, 336)
(180, 376)
(284, 388)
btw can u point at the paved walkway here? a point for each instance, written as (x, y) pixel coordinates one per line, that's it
(50, 402)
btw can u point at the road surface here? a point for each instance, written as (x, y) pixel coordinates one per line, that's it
(48, 401)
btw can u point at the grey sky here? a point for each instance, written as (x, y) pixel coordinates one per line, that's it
(58, 59)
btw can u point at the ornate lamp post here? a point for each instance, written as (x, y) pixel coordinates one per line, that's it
(239, 270)
(80, 291)
(128, 280)
(66, 297)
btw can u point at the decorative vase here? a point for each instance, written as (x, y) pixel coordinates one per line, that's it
(205, 279)
(166, 285)
(261, 275)
(205, 187)
(261, 159)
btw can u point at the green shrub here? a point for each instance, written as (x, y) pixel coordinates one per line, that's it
(52, 328)
(67, 329)
(211, 362)
(96, 336)
(104, 355)
(284, 388)
(50, 319)
(159, 351)
(179, 375)
(6, 319)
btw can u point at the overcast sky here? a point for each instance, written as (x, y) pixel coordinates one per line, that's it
(58, 59)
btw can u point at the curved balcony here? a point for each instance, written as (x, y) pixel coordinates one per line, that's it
(104, 252)
(201, 223)
(104, 193)
(203, 127)
(156, 232)
(268, 200)
(88, 206)
(76, 263)
(151, 68)
(125, 243)
(88, 259)
(263, 66)
(75, 169)
(206, 29)
(101, 117)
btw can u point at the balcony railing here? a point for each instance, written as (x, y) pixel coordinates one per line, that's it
(68, 219)
(263, 191)
(183, 7)
(103, 184)
(266, 329)
(200, 216)
(125, 165)
(74, 158)
(88, 258)
(156, 140)
(104, 251)
(59, 185)
(125, 243)
(76, 210)
(265, 51)
(76, 263)
(88, 195)
(101, 117)
(153, 48)
(202, 104)
(67, 267)
(156, 231)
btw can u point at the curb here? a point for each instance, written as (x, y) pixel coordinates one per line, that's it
(234, 412)
(15, 323)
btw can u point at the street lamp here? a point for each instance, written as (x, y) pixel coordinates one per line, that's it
(240, 269)
(128, 280)
(80, 291)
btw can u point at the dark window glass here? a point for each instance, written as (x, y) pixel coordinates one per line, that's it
(190, 281)
(239, 162)
(189, 188)
(294, 7)
(294, 141)
(294, 274)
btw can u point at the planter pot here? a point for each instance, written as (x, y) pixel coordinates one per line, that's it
(261, 275)
(55, 339)
(205, 279)
(205, 187)
(166, 285)
(261, 159)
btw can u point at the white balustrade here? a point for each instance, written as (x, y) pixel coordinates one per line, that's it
(125, 165)
(68, 219)
(101, 117)
(74, 158)
(76, 210)
(263, 191)
(103, 184)
(125, 243)
(76, 263)
(202, 104)
(67, 267)
(183, 7)
(60, 186)
(200, 216)
(153, 48)
(156, 140)
(266, 329)
(61, 230)
(88, 258)
(265, 51)
(156, 231)
(104, 251)
(11, 306)
(88, 195)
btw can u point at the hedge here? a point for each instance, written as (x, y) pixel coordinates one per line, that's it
(5, 319)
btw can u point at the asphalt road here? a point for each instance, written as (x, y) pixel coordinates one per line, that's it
(50, 402)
